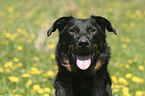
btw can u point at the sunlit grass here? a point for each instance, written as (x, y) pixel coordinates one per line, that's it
(27, 61)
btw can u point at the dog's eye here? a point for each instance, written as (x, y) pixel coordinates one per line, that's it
(72, 30)
(93, 30)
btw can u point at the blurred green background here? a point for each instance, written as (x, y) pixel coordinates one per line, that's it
(27, 61)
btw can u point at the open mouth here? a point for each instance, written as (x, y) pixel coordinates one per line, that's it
(83, 62)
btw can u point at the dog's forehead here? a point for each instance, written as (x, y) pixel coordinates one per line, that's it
(83, 22)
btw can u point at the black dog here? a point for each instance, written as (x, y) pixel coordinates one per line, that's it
(82, 55)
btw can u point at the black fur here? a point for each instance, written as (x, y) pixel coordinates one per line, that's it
(82, 38)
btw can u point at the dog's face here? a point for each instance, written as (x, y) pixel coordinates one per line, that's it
(82, 40)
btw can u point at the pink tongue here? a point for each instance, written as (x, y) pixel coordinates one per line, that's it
(83, 64)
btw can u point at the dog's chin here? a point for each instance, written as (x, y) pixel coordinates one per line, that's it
(83, 60)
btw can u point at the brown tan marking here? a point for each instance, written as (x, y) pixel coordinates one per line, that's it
(98, 65)
(66, 64)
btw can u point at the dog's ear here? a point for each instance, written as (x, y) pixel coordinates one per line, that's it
(59, 23)
(104, 24)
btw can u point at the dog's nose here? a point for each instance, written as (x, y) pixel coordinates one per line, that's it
(83, 43)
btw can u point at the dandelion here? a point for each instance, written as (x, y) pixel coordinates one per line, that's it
(127, 66)
(8, 64)
(123, 81)
(137, 79)
(40, 91)
(124, 46)
(8, 70)
(17, 95)
(29, 83)
(130, 61)
(127, 40)
(1, 70)
(35, 58)
(13, 79)
(115, 90)
(128, 75)
(16, 59)
(8, 35)
(36, 87)
(19, 48)
(14, 90)
(114, 79)
(135, 60)
(50, 73)
(47, 90)
(10, 9)
(52, 56)
(141, 67)
(55, 67)
(139, 93)
(26, 75)
(34, 71)
(51, 46)
(46, 95)
(20, 64)
(126, 91)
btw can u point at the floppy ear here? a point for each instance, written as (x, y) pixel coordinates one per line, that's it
(59, 23)
(104, 24)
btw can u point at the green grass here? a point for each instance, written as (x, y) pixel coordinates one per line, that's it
(25, 23)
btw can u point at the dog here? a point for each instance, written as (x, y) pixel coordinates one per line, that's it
(82, 55)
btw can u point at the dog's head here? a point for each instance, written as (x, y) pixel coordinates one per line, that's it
(82, 41)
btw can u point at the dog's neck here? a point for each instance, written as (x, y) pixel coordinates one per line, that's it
(83, 85)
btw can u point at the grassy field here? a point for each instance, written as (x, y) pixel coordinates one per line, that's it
(27, 61)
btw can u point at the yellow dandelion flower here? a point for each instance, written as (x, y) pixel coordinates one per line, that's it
(16, 59)
(29, 82)
(137, 79)
(128, 75)
(34, 71)
(26, 75)
(14, 90)
(135, 60)
(47, 90)
(36, 87)
(124, 46)
(10, 9)
(139, 93)
(52, 56)
(114, 79)
(123, 81)
(126, 91)
(141, 67)
(127, 40)
(19, 30)
(40, 91)
(20, 64)
(1, 70)
(132, 24)
(55, 67)
(51, 46)
(8, 64)
(130, 61)
(8, 35)
(8, 70)
(17, 95)
(19, 48)
(115, 90)
(13, 79)
(46, 95)
(35, 58)
(35, 65)
(50, 73)
(127, 66)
